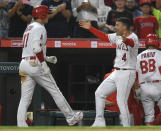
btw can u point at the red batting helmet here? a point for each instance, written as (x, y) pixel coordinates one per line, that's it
(145, 2)
(152, 39)
(40, 12)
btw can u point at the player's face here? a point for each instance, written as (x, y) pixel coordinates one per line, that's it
(120, 3)
(145, 9)
(119, 28)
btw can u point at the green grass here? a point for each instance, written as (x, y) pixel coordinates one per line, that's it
(64, 128)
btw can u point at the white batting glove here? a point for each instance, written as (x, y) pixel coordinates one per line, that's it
(46, 69)
(51, 59)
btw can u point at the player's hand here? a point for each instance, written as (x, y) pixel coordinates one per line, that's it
(46, 69)
(51, 59)
(85, 24)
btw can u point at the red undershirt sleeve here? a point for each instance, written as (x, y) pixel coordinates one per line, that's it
(129, 42)
(40, 56)
(103, 36)
(160, 69)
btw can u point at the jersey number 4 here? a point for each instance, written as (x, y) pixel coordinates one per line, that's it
(25, 39)
(148, 66)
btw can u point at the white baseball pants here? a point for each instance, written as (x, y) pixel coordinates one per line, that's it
(122, 81)
(30, 76)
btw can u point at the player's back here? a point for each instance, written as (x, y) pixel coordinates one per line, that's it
(148, 63)
(34, 32)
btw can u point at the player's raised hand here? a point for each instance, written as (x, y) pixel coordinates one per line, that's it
(85, 24)
(51, 59)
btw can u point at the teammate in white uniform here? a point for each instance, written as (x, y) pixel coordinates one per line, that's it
(33, 69)
(122, 79)
(149, 76)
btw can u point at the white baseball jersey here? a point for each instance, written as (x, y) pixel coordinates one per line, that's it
(148, 63)
(34, 32)
(102, 11)
(126, 56)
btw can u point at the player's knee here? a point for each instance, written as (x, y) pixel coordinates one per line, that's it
(98, 93)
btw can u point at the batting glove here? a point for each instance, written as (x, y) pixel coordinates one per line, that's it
(51, 59)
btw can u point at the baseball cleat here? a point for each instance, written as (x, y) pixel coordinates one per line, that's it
(78, 116)
(99, 123)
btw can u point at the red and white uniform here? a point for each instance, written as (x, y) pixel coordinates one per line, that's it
(145, 26)
(149, 76)
(31, 72)
(122, 79)
(34, 32)
(125, 55)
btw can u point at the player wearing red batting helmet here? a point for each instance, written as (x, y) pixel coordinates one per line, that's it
(41, 12)
(152, 40)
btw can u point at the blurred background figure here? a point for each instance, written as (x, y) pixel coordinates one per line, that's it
(102, 15)
(57, 27)
(20, 14)
(146, 23)
(157, 13)
(114, 14)
(4, 20)
(85, 10)
(132, 6)
(35, 3)
(109, 3)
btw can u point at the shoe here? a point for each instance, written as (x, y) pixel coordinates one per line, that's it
(99, 123)
(78, 116)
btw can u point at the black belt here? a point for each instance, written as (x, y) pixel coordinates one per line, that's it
(154, 81)
(122, 68)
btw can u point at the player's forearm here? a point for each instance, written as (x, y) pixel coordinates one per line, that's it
(37, 49)
(103, 36)
(129, 41)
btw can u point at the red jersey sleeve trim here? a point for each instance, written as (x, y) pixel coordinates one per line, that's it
(129, 42)
(40, 56)
(160, 69)
(103, 36)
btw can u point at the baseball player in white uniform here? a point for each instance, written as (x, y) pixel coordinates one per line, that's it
(149, 76)
(34, 69)
(122, 79)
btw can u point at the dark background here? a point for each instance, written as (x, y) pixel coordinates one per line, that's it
(78, 73)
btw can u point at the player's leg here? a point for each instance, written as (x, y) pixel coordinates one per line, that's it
(27, 89)
(48, 82)
(148, 93)
(124, 83)
(106, 88)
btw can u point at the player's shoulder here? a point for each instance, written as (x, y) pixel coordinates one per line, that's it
(133, 36)
(143, 52)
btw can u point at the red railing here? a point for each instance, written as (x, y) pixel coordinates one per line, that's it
(66, 43)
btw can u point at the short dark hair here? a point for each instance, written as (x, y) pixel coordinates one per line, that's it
(125, 21)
